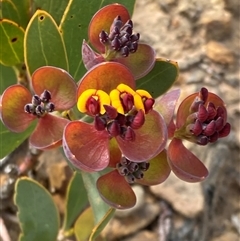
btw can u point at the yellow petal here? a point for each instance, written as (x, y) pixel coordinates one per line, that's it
(116, 101)
(83, 98)
(144, 93)
(104, 99)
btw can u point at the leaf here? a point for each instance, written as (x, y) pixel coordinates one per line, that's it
(184, 163)
(10, 141)
(102, 224)
(84, 227)
(43, 44)
(8, 77)
(17, 11)
(55, 8)
(160, 78)
(37, 213)
(74, 28)
(76, 200)
(99, 207)
(11, 43)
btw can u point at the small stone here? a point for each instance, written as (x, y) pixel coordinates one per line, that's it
(142, 236)
(219, 53)
(118, 228)
(217, 24)
(227, 236)
(185, 198)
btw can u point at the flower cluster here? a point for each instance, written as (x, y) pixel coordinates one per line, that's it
(127, 129)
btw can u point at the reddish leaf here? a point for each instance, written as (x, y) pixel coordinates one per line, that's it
(59, 83)
(166, 105)
(13, 100)
(102, 20)
(85, 147)
(183, 110)
(150, 139)
(89, 57)
(158, 171)
(112, 74)
(141, 62)
(48, 133)
(184, 163)
(115, 191)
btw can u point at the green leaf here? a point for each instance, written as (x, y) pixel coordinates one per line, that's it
(84, 228)
(10, 141)
(160, 78)
(43, 44)
(74, 28)
(8, 77)
(99, 207)
(17, 11)
(37, 213)
(84, 225)
(55, 8)
(76, 200)
(11, 36)
(102, 224)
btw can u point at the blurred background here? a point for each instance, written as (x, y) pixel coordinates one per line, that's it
(204, 38)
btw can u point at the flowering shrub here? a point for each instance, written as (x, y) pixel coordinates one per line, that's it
(112, 132)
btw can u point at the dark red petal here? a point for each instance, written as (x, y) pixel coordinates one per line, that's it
(225, 131)
(115, 191)
(184, 163)
(12, 113)
(141, 62)
(150, 139)
(112, 74)
(158, 171)
(60, 84)
(102, 20)
(85, 147)
(49, 132)
(89, 57)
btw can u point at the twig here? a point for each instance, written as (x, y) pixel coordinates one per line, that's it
(3, 231)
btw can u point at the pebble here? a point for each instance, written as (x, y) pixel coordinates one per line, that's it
(219, 53)
(185, 198)
(118, 228)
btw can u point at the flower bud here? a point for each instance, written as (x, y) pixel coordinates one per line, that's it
(45, 96)
(39, 110)
(125, 51)
(127, 101)
(29, 108)
(138, 174)
(202, 113)
(117, 23)
(36, 100)
(138, 120)
(114, 128)
(212, 112)
(130, 178)
(225, 130)
(202, 140)
(133, 167)
(103, 36)
(116, 44)
(144, 166)
(111, 111)
(99, 123)
(93, 106)
(129, 134)
(203, 94)
(50, 107)
(123, 171)
(210, 128)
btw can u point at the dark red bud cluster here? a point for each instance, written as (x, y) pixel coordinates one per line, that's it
(121, 37)
(118, 124)
(40, 105)
(206, 123)
(132, 170)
